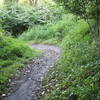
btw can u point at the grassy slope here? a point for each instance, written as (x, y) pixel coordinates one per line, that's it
(13, 53)
(78, 69)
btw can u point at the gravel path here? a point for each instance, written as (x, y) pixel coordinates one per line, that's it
(25, 86)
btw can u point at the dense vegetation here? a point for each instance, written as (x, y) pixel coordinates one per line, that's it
(13, 53)
(76, 74)
(78, 68)
(17, 18)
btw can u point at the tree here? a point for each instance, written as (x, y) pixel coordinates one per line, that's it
(86, 9)
(33, 2)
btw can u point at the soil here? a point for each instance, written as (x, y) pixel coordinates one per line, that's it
(29, 79)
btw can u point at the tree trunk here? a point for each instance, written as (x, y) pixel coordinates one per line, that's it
(31, 2)
(97, 17)
(35, 2)
(17, 1)
(98, 23)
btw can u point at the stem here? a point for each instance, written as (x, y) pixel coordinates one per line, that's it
(97, 16)
(85, 16)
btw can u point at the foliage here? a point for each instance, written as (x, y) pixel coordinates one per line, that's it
(49, 32)
(13, 20)
(11, 48)
(1, 31)
(9, 2)
(16, 19)
(76, 75)
(87, 9)
(13, 53)
(80, 7)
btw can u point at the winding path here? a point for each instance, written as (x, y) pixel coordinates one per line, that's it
(31, 76)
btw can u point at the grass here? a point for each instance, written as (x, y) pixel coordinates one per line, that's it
(50, 33)
(13, 54)
(76, 75)
(52, 41)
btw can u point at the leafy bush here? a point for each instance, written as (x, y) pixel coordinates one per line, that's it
(17, 18)
(11, 48)
(13, 53)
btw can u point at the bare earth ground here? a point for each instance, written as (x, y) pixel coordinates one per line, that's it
(29, 79)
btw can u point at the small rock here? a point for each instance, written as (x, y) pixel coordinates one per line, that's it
(43, 92)
(27, 71)
(9, 80)
(3, 95)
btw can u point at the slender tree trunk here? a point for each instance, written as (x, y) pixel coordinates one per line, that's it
(85, 17)
(17, 1)
(31, 2)
(97, 16)
(98, 23)
(35, 3)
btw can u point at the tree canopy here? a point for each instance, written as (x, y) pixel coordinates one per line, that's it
(87, 9)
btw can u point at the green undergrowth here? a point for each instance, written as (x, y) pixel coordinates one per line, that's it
(13, 54)
(17, 18)
(51, 33)
(76, 76)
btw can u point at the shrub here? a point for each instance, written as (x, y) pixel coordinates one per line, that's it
(13, 53)
(16, 19)
(12, 48)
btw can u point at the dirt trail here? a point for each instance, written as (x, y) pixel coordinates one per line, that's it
(24, 87)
